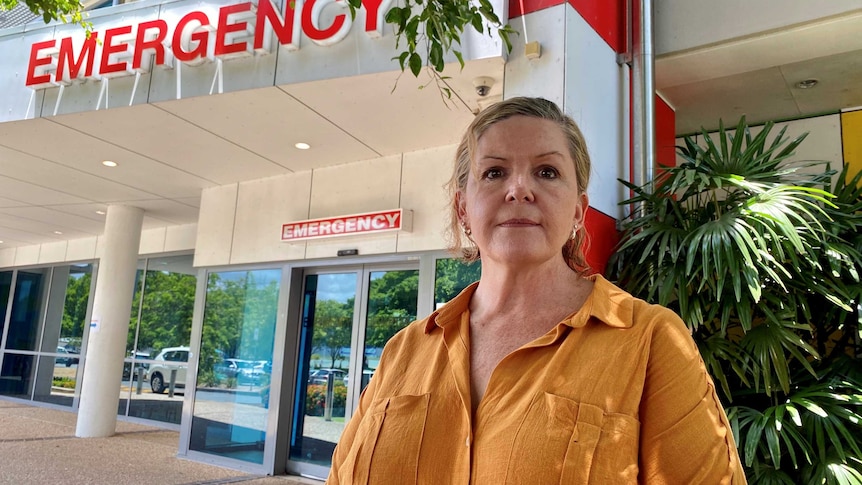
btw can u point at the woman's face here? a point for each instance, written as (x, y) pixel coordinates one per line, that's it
(522, 201)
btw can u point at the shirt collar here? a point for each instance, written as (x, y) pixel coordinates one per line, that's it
(607, 303)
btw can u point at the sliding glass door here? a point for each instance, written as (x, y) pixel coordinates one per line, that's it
(348, 314)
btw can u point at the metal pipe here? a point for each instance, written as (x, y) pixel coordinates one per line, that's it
(643, 94)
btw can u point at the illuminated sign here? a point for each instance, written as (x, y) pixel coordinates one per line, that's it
(368, 223)
(242, 29)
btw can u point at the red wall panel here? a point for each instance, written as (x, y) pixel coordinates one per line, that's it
(603, 239)
(606, 17)
(665, 133)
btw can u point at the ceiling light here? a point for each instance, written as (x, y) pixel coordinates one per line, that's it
(806, 84)
(1, 242)
(58, 232)
(109, 163)
(101, 213)
(302, 146)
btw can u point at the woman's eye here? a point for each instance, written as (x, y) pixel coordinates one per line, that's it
(548, 173)
(493, 173)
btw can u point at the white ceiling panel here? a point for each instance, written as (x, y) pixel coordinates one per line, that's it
(390, 122)
(15, 237)
(30, 193)
(71, 147)
(190, 201)
(44, 230)
(269, 122)
(757, 74)
(839, 82)
(26, 167)
(87, 211)
(146, 129)
(58, 219)
(168, 210)
(4, 202)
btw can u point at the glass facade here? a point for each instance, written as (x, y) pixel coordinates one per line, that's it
(157, 345)
(233, 376)
(345, 316)
(46, 310)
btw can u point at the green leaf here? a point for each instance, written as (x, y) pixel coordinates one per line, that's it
(415, 64)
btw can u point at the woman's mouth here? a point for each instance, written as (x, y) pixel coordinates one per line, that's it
(519, 223)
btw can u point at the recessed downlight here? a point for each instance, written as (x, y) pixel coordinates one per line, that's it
(109, 163)
(58, 232)
(807, 84)
(302, 146)
(101, 213)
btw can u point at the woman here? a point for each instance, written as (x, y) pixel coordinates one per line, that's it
(537, 373)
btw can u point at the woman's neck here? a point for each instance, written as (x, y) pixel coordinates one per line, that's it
(510, 290)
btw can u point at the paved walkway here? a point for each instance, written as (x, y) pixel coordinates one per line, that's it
(38, 446)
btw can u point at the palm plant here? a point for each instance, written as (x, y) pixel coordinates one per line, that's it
(761, 257)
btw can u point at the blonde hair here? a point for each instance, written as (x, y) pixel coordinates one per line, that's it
(459, 243)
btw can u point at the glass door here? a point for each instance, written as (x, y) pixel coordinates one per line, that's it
(347, 317)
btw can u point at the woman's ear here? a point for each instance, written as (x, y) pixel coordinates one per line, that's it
(461, 207)
(581, 210)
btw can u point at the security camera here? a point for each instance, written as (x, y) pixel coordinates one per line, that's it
(483, 85)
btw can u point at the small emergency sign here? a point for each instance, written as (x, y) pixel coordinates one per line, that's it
(368, 223)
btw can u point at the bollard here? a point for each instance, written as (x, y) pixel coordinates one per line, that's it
(327, 406)
(171, 385)
(140, 372)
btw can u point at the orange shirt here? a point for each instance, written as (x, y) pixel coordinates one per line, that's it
(615, 393)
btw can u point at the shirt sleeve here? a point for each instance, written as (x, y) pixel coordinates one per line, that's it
(685, 435)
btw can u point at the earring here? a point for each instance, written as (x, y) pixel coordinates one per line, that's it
(467, 231)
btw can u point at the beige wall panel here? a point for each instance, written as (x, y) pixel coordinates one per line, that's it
(367, 186)
(262, 207)
(81, 249)
(100, 246)
(152, 241)
(729, 19)
(328, 248)
(7, 257)
(423, 175)
(215, 225)
(181, 238)
(823, 141)
(53, 252)
(27, 255)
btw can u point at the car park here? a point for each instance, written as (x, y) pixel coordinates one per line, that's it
(321, 376)
(140, 367)
(69, 356)
(169, 360)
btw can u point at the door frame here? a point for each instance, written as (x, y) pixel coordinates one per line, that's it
(424, 263)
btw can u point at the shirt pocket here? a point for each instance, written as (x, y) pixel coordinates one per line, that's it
(566, 442)
(388, 441)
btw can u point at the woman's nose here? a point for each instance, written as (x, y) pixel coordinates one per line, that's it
(520, 190)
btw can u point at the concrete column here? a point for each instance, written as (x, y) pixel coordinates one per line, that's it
(109, 325)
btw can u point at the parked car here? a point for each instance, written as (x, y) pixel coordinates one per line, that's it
(244, 371)
(68, 358)
(171, 358)
(320, 376)
(128, 373)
